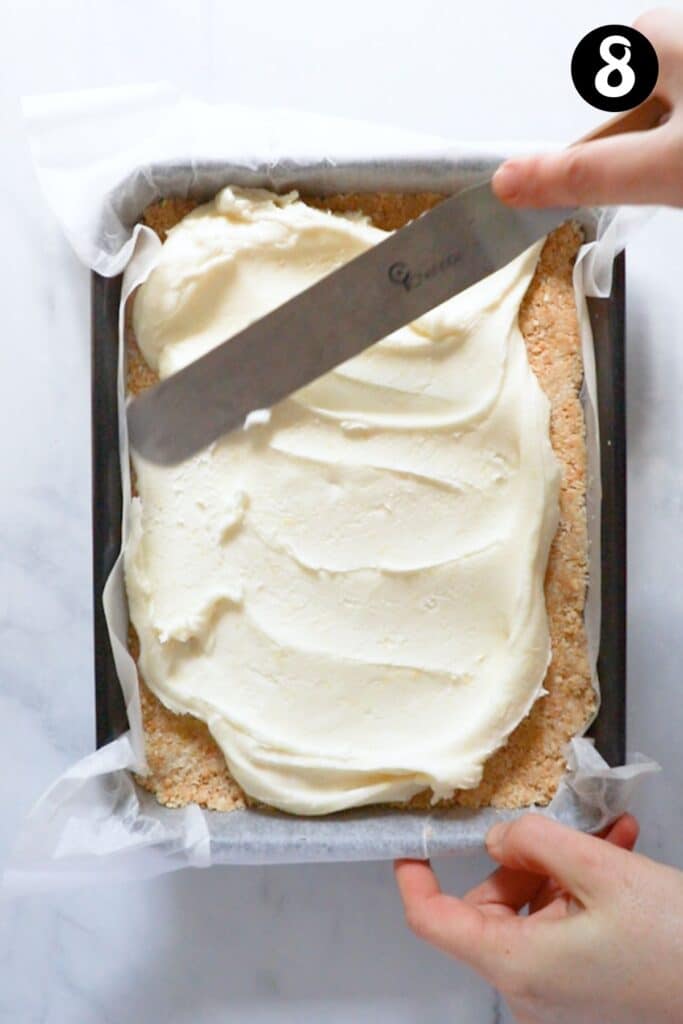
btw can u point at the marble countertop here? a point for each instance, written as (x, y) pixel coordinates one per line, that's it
(299, 944)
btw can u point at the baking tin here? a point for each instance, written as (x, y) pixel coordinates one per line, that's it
(608, 325)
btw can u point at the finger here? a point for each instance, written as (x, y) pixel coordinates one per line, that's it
(443, 920)
(622, 833)
(664, 29)
(450, 924)
(582, 864)
(555, 909)
(640, 167)
(505, 891)
(547, 896)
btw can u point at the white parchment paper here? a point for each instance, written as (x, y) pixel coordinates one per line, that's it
(103, 156)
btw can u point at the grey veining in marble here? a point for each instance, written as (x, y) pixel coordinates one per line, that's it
(321, 943)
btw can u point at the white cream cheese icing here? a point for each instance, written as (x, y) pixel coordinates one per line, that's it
(350, 592)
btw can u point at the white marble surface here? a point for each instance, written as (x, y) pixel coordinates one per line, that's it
(282, 944)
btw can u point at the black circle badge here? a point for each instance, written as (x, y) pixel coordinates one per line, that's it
(614, 68)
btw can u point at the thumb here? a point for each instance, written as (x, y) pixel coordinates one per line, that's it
(584, 865)
(638, 167)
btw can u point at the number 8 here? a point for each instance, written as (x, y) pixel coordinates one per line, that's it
(627, 78)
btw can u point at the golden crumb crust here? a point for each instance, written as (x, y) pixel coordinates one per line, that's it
(185, 763)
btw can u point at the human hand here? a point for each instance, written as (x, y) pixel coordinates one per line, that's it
(603, 942)
(638, 167)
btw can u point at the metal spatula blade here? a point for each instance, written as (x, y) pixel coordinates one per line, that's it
(444, 251)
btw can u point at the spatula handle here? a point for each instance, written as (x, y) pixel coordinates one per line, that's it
(643, 117)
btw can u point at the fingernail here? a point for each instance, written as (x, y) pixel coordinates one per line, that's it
(507, 181)
(496, 834)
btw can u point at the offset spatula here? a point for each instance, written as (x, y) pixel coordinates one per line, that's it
(447, 249)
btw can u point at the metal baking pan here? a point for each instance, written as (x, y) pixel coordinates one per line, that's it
(608, 325)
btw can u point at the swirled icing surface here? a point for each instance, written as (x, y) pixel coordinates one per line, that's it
(349, 594)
